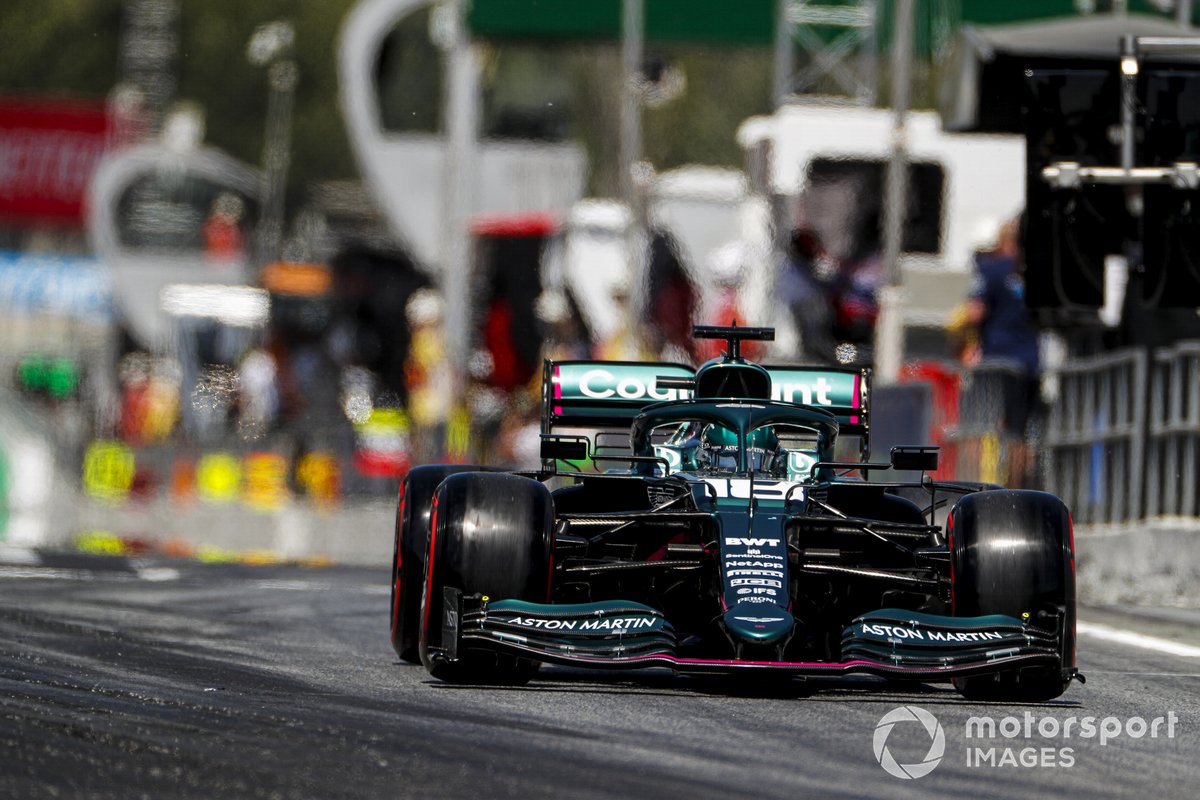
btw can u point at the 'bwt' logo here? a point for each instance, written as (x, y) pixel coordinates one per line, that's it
(931, 727)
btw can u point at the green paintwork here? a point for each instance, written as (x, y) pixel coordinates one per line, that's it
(572, 609)
(723, 22)
(937, 620)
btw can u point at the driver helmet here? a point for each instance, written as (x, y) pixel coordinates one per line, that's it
(719, 449)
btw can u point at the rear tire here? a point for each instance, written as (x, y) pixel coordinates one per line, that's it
(491, 535)
(1012, 553)
(408, 555)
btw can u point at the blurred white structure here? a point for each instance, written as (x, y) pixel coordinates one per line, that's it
(983, 183)
(710, 210)
(595, 264)
(147, 210)
(707, 211)
(408, 171)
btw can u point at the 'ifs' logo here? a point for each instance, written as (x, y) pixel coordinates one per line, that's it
(926, 727)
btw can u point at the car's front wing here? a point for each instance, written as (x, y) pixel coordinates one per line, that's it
(627, 636)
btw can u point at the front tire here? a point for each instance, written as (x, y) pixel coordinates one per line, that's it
(408, 556)
(491, 535)
(1012, 553)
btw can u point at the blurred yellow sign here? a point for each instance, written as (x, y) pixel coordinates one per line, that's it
(264, 481)
(318, 473)
(99, 543)
(108, 469)
(383, 444)
(218, 477)
(458, 434)
(384, 422)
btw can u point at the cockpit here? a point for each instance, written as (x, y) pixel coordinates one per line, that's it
(705, 447)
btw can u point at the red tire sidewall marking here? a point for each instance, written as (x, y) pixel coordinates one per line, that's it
(399, 561)
(429, 564)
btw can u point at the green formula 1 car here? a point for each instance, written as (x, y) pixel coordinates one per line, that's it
(701, 520)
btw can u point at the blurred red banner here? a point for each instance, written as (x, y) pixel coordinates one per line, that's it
(49, 149)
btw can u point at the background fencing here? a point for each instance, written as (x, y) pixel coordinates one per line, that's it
(1174, 430)
(1095, 443)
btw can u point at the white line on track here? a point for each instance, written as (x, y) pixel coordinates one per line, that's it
(152, 574)
(158, 574)
(18, 555)
(1139, 640)
(41, 573)
(1144, 674)
(309, 586)
(293, 586)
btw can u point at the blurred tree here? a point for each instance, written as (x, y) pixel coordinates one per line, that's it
(71, 47)
(214, 71)
(724, 87)
(63, 47)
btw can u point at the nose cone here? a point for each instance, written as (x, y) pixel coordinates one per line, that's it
(758, 623)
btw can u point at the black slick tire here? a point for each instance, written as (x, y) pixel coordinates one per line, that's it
(408, 555)
(491, 535)
(1012, 553)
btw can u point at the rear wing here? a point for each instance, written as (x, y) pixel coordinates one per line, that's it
(608, 394)
(605, 394)
(842, 391)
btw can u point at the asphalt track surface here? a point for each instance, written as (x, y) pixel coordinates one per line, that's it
(229, 681)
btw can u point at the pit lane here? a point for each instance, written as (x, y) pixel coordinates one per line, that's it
(179, 679)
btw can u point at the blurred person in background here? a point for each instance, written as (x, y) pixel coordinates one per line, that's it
(223, 240)
(149, 399)
(727, 266)
(428, 380)
(855, 293)
(996, 309)
(807, 298)
(962, 336)
(563, 337)
(518, 442)
(258, 394)
(962, 323)
(673, 302)
(625, 343)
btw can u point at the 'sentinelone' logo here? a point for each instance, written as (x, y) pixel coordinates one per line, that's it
(928, 723)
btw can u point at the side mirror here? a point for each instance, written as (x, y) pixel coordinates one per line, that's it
(916, 459)
(564, 449)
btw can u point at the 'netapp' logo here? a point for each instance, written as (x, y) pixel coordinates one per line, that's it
(931, 727)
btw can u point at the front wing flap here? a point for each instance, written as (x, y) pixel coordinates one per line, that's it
(624, 635)
(610, 630)
(909, 637)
